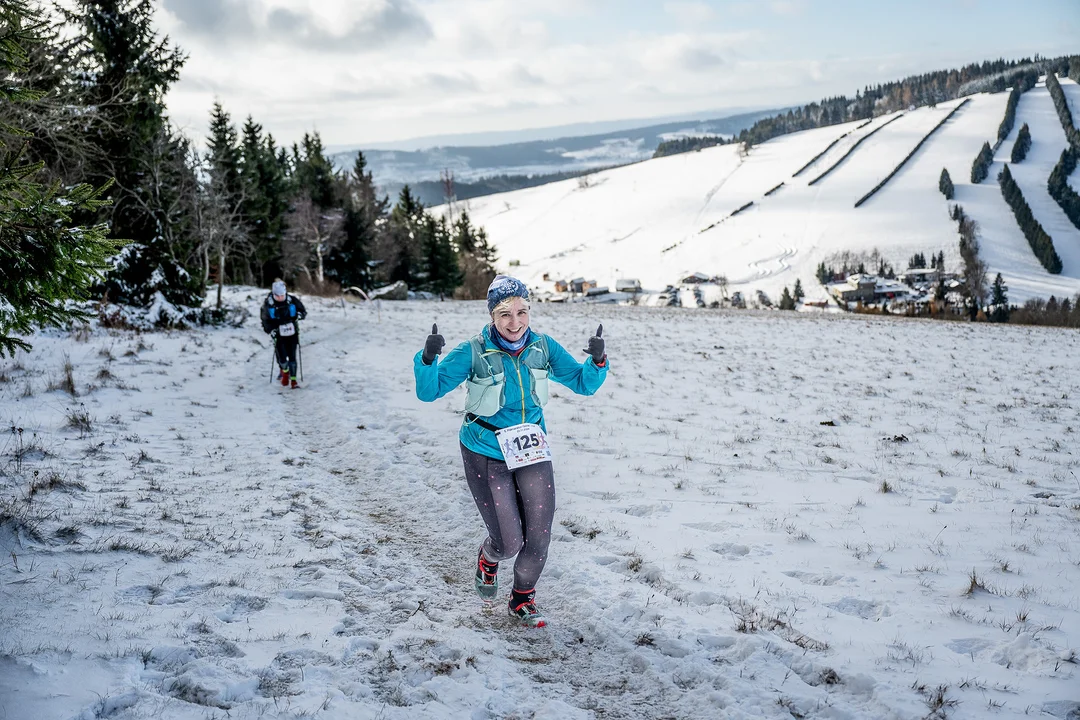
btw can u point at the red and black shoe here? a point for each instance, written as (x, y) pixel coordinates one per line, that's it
(487, 578)
(295, 384)
(284, 377)
(524, 610)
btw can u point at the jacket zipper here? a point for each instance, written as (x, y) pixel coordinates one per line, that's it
(517, 367)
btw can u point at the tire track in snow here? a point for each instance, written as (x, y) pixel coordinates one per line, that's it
(760, 273)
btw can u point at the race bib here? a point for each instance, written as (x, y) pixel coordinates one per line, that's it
(287, 329)
(522, 445)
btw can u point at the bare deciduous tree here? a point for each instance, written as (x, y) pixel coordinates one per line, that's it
(221, 227)
(311, 233)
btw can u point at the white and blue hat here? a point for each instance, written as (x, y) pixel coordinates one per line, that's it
(278, 288)
(503, 287)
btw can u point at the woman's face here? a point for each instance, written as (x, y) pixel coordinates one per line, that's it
(512, 319)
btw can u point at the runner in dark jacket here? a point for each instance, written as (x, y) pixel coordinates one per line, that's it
(280, 317)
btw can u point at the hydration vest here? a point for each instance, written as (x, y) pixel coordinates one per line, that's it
(485, 386)
(289, 314)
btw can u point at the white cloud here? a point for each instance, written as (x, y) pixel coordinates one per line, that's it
(370, 70)
(787, 7)
(326, 26)
(690, 12)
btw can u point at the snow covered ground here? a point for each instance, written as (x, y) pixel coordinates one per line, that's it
(663, 219)
(761, 515)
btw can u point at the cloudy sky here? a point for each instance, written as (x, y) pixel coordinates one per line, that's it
(364, 71)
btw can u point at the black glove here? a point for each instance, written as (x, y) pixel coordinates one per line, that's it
(433, 346)
(596, 346)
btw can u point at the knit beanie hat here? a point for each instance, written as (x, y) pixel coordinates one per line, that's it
(278, 288)
(503, 287)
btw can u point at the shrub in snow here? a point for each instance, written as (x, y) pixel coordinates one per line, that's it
(140, 273)
(945, 185)
(1040, 241)
(981, 167)
(1022, 145)
(1059, 187)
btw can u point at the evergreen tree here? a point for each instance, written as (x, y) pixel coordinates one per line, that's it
(786, 301)
(1061, 104)
(1010, 113)
(55, 128)
(224, 156)
(316, 220)
(365, 213)
(46, 256)
(1059, 187)
(221, 217)
(1041, 243)
(945, 185)
(314, 173)
(475, 256)
(686, 144)
(398, 249)
(798, 292)
(265, 202)
(1022, 144)
(999, 300)
(256, 167)
(126, 70)
(981, 167)
(927, 89)
(440, 260)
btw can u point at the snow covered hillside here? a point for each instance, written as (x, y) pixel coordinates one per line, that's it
(661, 220)
(761, 515)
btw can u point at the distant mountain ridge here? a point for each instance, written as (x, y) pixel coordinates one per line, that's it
(568, 155)
(552, 132)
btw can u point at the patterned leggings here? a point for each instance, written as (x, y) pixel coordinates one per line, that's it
(518, 507)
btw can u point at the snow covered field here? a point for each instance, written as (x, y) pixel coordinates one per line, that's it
(761, 515)
(660, 220)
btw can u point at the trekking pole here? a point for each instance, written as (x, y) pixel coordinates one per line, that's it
(300, 358)
(273, 357)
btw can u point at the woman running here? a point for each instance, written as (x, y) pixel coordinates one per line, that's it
(506, 368)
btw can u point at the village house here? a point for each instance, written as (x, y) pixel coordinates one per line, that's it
(869, 289)
(695, 279)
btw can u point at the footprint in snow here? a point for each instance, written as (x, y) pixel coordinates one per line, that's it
(865, 609)
(814, 578)
(709, 526)
(730, 549)
(240, 607)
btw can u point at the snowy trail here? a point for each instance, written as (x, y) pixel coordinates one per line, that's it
(436, 551)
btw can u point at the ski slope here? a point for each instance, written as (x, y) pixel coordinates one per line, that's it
(663, 219)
